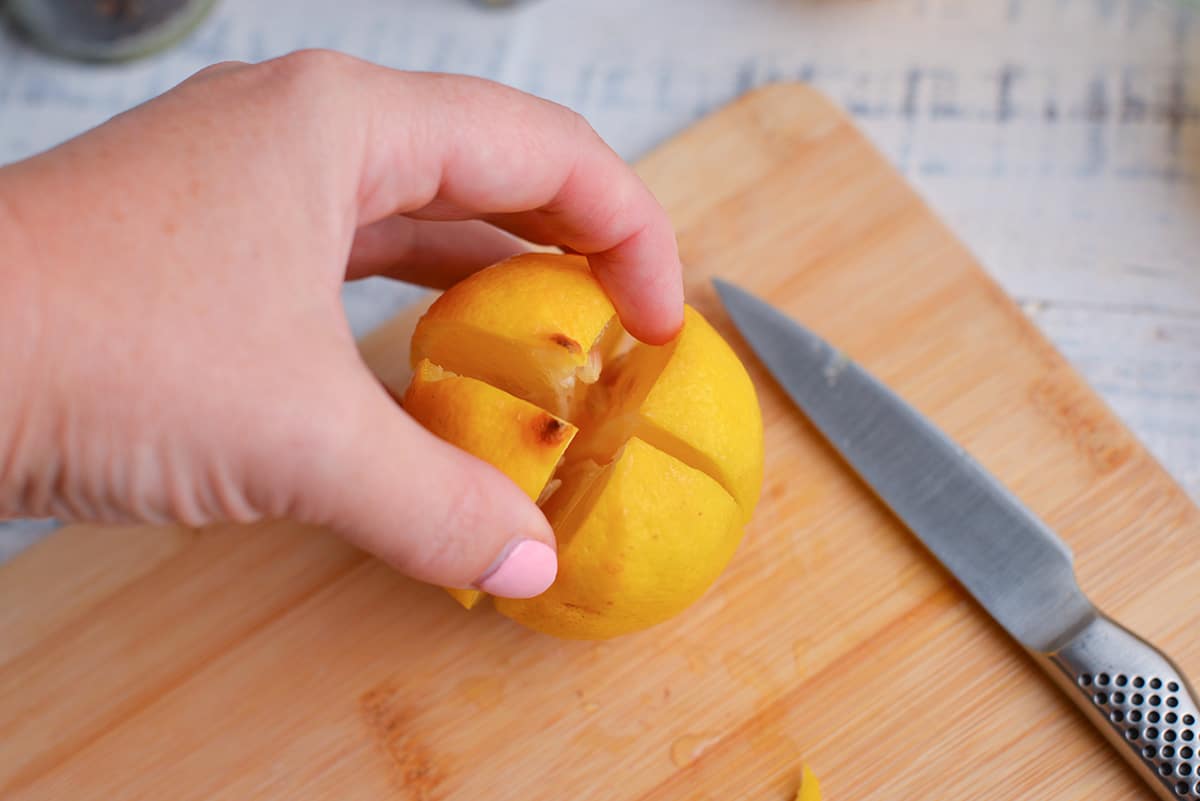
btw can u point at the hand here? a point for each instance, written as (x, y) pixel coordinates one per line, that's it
(169, 303)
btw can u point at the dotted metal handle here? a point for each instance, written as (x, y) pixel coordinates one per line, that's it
(1139, 699)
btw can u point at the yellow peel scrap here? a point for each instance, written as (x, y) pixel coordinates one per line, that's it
(810, 788)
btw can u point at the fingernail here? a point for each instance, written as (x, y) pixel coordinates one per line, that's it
(528, 569)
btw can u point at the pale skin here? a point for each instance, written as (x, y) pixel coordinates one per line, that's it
(171, 337)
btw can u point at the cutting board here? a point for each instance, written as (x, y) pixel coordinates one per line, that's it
(277, 662)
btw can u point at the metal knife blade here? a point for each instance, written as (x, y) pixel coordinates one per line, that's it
(1017, 568)
(1009, 560)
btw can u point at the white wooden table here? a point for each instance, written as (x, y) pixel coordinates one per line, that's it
(1060, 138)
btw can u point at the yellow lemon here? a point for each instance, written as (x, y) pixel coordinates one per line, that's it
(691, 398)
(514, 436)
(638, 542)
(810, 788)
(646, 460)
(529, 329)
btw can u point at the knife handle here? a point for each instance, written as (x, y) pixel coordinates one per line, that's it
(1139, 699)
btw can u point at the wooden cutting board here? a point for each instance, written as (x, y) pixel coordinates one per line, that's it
(276, 662)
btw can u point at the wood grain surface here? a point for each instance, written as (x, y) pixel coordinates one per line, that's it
(275, 662)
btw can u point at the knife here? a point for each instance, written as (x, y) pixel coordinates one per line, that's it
(1008, 559)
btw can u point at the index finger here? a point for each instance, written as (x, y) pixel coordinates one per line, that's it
(453, 147)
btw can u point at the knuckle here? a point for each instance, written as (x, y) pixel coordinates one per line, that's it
(312, 67)
(219, 67)
(454, 549)
(295, 458)
(579, 124)
(308, 79)
(579, 121)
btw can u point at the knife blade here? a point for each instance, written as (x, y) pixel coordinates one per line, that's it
(1014, 565)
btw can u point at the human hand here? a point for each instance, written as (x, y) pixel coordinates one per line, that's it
(169, 303)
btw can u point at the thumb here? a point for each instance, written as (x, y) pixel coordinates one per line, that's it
(433, 511)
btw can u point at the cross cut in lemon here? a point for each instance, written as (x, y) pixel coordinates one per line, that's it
(646, 460)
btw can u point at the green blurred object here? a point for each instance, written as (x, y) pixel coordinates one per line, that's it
(107, 30)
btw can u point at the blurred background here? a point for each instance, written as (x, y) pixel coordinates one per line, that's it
(1059, 138)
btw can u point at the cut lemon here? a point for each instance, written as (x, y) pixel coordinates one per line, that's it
(512, 435)
(539, 347)
(638, 543)
(810, 788)
(664, 464)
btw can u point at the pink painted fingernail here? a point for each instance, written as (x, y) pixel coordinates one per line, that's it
(528, 569)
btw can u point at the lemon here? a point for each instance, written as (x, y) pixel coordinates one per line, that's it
(523, 440)
(647, 460)
(534, 343)
(638, 542)
(691, 397)
(810, 788)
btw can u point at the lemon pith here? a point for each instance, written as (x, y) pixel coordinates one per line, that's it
(657, 452)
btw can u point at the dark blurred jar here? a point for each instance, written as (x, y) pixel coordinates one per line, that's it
(106, 30)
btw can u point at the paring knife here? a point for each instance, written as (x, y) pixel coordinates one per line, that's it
(1010, 561)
